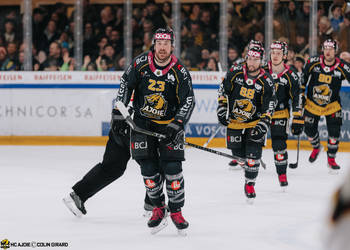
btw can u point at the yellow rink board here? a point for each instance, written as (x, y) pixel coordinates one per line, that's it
(101, 141)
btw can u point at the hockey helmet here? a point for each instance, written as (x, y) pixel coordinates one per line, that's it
(164, 34)
(280, 45)
(330, 43)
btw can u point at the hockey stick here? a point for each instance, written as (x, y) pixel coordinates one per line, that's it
(295, 165)
(212, 136)
(121, 107)
(123, 110)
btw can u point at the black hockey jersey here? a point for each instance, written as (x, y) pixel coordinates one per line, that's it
(287, 87)
(323, 84)
(248, 100)
(160, 94)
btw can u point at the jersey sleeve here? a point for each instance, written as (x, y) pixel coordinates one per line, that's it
(128, 83)
(225, 88)
(346, 69)
(269, 98)
(296, 94)
(186, 98)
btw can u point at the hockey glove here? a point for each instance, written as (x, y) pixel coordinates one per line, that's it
(257, 134)
(118, 123)
(174, 133)
(222, 114)
(297, 125)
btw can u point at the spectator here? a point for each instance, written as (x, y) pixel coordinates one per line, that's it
(166, 13)
(155, 15)
(54, 61)
(301, 45)
(10, 34)
(12, 52)
(233, 56)
(109, 57)
(299, 64)
(89, 41)
(290, 21)
(303, 18)
(6, 64)
(49, 35)
(344, 34)
(212, 65)
(325, 31)
(195, 12)
(204, 59)
(107, 18)
(147, 41)
(336, 18)
(290, 55)
(117, 41)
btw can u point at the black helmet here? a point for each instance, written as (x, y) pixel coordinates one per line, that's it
(164, 34)
(256, 51)
(330, 43)
(280, 45)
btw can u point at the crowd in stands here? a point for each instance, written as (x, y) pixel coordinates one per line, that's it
(103, 26)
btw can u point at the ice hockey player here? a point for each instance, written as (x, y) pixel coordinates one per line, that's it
(246, 101)
(253, 43)
(287, 87)
(113, 165)
(163, 103)
(323, 76)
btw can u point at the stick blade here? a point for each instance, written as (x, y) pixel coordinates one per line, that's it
(293, 165)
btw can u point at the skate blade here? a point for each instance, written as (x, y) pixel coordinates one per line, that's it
(182, 232)
(250, 201)
(160, 227)
(333, 171)
(284, 189)
(147, 214)
(235, 168)
(68, 201)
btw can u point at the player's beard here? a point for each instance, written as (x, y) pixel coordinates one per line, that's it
(162, 57)
(252, 70)
(329, 60)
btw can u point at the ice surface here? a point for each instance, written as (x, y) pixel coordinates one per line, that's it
(35, 179)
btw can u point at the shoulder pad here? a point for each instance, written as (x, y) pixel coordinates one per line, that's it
(268, 78)
(293, 74)
(313, 59)
(345, 66)
(236, 67)
(183, 71)
(141, 59)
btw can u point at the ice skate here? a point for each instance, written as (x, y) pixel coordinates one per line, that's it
(74, 204)
(148, 208)
(333, 166)
(314, 154)
(234, 165)
(283, 181)
(249, 192)
(180, 223)
(158, 220)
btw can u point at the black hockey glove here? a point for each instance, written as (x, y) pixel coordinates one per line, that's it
(118, 123)
(174, 133)
(258, 133)
(297, 125)
(222, 114)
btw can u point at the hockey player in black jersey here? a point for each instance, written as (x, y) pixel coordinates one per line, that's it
(323, 76)
(115, 159)
(287, 87)
(163, 103)
(246, 102)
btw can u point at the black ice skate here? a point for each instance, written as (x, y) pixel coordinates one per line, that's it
(180, 222)
(283, 181)
(249, 191)
(333, 166)
(158, 220)
(74, 204)
(148, 208)
(314, 154)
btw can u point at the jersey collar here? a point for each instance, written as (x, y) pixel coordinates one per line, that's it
(159, 72)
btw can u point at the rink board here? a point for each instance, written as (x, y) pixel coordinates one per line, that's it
(73, 108)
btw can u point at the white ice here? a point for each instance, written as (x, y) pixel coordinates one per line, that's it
(35, 179)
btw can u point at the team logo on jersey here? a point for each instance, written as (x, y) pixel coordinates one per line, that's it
(280, 157)
(243, 110)
(251, 162)
(322, 94)
(155, 106)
